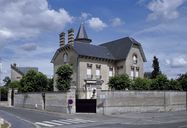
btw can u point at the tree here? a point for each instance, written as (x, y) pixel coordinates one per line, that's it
(156, 69)
(33, 82)
(160, 83)
(15, 84)
(141, 84)
(6, 80)
(120, 82)
(182, 79)
(64, 73)
(50, 84)
(175, 85)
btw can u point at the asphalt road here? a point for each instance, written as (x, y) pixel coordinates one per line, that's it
(24, 118)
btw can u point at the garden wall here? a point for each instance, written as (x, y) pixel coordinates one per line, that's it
(116, 102)
(54, 101)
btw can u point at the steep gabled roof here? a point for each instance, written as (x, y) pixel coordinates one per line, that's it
(114, 50)
(86, 49)
(23, 70)
(82, 35)
(121, 47)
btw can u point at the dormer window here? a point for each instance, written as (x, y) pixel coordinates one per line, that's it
(65, 58)
(135, 59)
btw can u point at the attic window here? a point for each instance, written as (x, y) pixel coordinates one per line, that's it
(135, 59)
(65, 57)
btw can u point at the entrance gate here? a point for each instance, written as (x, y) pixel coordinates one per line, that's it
(86, 105)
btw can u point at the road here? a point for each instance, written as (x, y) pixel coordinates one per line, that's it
(24, 118)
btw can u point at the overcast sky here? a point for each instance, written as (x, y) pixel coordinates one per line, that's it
(29, 29)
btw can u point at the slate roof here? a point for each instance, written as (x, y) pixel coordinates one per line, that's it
(114, 50)
(121, 47)
(23, 70)
(82, 35)
(86, 49)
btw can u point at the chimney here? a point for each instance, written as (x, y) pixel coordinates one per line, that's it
(62, 39)
(70, 36)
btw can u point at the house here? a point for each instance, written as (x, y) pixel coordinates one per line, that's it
(18, 72)
(93, 65)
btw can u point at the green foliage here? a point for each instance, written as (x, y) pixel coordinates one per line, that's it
(141, 84)
(156, 69)
(64, 73)
(15, 84)
(33, 82)
(160, 83)
(175, 85)
(120, 82)
(50, 84)
(183, 81)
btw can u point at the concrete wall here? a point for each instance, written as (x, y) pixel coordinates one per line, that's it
(116, 102)
(4, 103)
(56, 101)
(29, 100)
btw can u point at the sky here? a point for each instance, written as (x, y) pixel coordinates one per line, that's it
(29, 29)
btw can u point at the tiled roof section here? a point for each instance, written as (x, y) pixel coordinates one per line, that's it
(86, 49)
(23, 70)
(121, 47)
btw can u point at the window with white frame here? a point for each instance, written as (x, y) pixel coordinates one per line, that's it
(132, 73)
(137, 72)
(110, 72)
(89, 71)
(135, 59)
(98, 72)
(65, 57)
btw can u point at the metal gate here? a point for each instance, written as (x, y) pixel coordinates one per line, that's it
(86, 105)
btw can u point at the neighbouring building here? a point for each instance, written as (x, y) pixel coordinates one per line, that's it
(93, 65)
(18, 72)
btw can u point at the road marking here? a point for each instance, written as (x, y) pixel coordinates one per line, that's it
(53, 123)
(72, 121)
(44, 124)
(84, 120)
(63, 122)
(60, 122)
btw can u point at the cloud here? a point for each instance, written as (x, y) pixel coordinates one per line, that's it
(29, 47)
(84, 16)
(177, 62)
(96, 23)
(117, 22)
(28, 18)
(164, 9)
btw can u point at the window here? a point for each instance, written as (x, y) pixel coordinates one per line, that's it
(137, 72)
(135, 59)
(98, 73)
(132, 73)
(89, 71)
(110, 72)
(65, 57)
